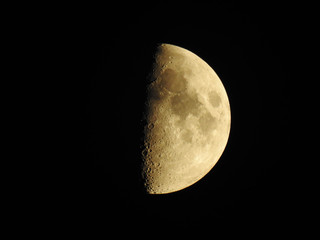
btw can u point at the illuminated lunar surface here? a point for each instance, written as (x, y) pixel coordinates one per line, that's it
(187, 121)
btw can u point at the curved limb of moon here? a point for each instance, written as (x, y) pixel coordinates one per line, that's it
(188, 121)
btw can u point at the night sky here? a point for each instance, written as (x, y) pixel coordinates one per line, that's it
(249, 47)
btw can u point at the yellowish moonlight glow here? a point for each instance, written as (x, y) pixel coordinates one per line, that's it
(188, 121)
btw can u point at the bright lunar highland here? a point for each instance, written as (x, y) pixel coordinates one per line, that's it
(187, 121)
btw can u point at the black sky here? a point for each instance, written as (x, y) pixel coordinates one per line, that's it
(249, 47)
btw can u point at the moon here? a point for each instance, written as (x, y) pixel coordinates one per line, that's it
(188, 119)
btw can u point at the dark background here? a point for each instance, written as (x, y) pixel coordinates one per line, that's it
(250, 46)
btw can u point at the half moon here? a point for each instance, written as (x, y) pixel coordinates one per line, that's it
(187, 121)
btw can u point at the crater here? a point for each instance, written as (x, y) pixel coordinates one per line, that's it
(167, 53)
(173, 81)
(214, 99)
